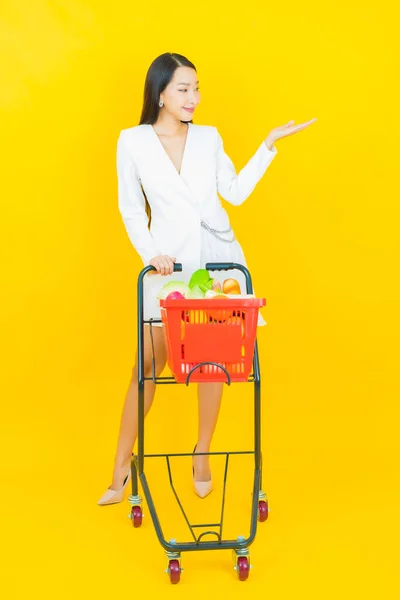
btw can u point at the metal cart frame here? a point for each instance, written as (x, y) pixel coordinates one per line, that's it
(259, 508)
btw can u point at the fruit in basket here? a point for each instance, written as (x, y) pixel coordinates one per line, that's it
(216, 286)
(175, 296)
(231, 286)
(194, 316)
(220, 314)
(201, 279)
(173, 286)
(236, 321)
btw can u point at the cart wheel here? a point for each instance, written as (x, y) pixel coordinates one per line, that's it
(242, 568)
(136, 516)
(262, 511)
(174, 571)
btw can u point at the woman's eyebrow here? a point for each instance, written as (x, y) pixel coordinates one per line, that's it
(185, 83)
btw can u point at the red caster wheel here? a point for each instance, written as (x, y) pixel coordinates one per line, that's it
(174, 571)
(136, 516)
(242, 567)
(262, 511)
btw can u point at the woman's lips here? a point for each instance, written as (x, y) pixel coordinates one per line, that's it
(191, 110)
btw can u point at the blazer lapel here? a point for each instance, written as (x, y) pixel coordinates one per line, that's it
(189, 150)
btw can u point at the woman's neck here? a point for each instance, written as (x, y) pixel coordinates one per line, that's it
(170, 127)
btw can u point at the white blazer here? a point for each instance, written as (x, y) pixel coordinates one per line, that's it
(179, 202)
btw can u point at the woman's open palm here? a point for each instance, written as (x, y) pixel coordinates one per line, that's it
(288, 129)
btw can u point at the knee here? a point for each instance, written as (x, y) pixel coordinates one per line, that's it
(160, 362)
(148, 369)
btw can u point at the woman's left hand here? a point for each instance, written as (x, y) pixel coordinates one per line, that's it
(285, 130)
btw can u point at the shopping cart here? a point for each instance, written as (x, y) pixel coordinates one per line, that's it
(208, 340)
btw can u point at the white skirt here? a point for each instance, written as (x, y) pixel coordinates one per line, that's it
(212, 250)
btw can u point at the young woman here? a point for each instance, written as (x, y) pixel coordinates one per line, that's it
(170, 172)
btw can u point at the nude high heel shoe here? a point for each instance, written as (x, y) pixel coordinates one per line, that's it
(202, 488)
(114, 496)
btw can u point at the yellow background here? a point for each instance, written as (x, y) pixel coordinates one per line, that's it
(324, 253)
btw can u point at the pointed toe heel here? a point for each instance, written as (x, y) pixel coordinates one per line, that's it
(202, 488)
(114, 496)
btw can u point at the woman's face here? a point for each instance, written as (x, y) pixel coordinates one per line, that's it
(182, 95)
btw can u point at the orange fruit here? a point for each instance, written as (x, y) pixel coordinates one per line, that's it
(231, 286)
(216, 315)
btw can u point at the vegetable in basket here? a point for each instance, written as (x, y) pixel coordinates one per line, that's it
(201, 279)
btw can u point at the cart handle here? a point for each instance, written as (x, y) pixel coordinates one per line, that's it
(209, 266)
(229, 267)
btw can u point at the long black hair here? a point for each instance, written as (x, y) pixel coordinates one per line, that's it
(158, 76)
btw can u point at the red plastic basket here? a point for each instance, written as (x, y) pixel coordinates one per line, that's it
(222, 331)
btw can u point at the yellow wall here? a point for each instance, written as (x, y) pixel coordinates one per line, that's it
(324, 252)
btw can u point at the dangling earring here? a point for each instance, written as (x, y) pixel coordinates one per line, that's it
(160, 103)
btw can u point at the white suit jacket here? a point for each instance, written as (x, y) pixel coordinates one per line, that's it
(179, 202)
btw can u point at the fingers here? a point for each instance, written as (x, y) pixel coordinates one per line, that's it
(292, 127)
(164, 264)
(170, 265)
(288, 129)
(304, 125)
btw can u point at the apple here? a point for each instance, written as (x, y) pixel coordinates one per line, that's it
(175, 296)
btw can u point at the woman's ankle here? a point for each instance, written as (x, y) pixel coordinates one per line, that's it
(202, 446)
(122, 465)
(202, 464)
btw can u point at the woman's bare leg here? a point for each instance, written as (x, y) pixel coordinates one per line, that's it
(210, 396)
(129, 418)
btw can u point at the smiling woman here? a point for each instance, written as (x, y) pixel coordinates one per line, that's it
(172, 170)
(172, 85)
(178, 169)
(191, 167)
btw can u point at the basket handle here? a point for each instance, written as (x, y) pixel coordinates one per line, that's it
(229, 267)
(215, 364)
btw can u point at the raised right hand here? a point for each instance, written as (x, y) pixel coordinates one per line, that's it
(164, 264)
(284, 130)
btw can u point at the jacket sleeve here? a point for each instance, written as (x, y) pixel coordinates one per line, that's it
(131, 203)
(235, 188)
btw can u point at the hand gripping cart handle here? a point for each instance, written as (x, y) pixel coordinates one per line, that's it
(208, 340)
